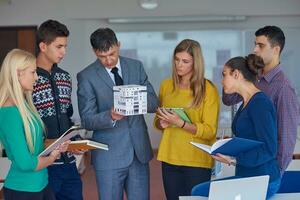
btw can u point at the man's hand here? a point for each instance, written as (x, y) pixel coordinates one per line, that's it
(115, 115)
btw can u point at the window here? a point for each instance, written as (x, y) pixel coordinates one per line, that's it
(155, 50)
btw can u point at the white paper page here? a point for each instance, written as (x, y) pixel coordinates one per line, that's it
(98, 145)
(204, 147)
(219, 143)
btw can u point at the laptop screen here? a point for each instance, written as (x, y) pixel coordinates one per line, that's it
(239, 189)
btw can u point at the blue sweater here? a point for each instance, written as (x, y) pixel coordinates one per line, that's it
(257, 121)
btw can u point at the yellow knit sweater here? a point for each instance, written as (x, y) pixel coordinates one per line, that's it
(175, 147)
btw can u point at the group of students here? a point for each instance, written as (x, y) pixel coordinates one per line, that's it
(35, 104)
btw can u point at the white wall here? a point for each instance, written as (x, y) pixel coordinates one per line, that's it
(23, 12)
(84, 16)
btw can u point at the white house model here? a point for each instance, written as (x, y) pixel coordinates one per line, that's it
(130, 99)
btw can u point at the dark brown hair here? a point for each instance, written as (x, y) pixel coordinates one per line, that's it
(249, 66)
(274, 34)
(49, 31)
(103, 39)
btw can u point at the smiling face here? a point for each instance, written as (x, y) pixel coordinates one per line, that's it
(109, 59)
(56, 50)
(27, 77)
(184, 64)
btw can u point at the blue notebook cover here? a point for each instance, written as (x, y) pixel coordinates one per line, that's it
(237, 145)
(229, 146)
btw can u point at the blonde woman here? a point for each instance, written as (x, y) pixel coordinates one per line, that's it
(21, 130)
(183, 165)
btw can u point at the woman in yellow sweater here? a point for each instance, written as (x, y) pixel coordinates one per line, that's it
(183, 165)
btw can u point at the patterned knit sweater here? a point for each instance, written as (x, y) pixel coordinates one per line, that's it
(52, 98)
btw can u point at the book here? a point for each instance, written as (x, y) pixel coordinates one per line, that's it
(181, 113)
(86, 145)
(229, 146)
(71, 132)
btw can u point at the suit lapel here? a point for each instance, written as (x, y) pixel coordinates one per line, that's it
(125, 76)
(102, 73)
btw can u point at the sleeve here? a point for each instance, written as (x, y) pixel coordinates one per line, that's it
(160, 103)
(70, 108)
(262, 116)
(91, 118)
(152, 101)
(230, 99)
(18, 148)
(207, 127)
(288, 119)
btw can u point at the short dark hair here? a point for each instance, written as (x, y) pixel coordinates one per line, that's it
(49, 30)
(274, 34)
(103, 39)
(248, 66)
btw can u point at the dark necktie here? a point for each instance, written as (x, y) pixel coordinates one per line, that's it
(118, 79)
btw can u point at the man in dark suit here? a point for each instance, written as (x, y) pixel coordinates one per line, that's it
(125, 166)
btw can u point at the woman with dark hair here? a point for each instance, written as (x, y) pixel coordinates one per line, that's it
(255, 120)
(183, 165)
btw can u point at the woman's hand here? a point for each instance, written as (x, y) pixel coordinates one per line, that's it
(55, 154)
(224, 159)
(64, 146)
(45, 161)
(163, 123)
(168, 118)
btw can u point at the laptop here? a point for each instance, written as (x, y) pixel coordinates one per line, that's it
(251, 188)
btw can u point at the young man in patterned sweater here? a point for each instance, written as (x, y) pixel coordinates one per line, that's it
(52, 98)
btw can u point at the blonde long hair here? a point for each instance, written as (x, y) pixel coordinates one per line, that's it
(11, 89)
(197, 81)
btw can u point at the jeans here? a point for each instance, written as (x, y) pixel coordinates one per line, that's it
(65, 181)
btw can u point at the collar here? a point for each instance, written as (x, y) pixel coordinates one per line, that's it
(118, 65)
(271, 74)
(43, 71)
